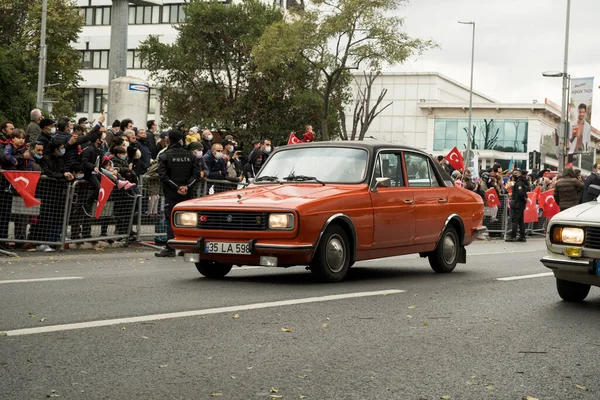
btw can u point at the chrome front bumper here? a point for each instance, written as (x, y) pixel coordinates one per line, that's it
(582, 270)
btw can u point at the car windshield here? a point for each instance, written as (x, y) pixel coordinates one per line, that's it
(317, 164)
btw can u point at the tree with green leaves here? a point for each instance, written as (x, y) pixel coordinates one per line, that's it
(208, 76)
(335, 36)
(20, 31)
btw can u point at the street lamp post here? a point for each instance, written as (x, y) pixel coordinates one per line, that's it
(563, 131)
(42, 63)
(469, 152)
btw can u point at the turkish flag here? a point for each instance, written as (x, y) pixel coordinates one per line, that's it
(293, 139)
(538, 191)
(25, 183)
(456, 159)
(548, 204)
(491, 198)
(106, 188)
(531, 214)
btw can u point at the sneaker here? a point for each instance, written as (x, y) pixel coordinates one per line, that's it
(44, 248)
(166, 252)
(129, 185)
(522, 239)
(121, 184)
(510, 239)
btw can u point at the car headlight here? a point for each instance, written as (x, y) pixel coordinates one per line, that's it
(568, 235)
(186, 219)
(281, 221)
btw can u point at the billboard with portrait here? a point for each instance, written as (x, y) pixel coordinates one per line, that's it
(580, 116)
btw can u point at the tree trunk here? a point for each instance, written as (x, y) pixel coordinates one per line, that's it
(325, 118)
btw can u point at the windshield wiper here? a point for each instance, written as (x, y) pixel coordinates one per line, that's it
(268, 178)
(302, 178)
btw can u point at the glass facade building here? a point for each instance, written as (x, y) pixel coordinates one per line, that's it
(506, 135)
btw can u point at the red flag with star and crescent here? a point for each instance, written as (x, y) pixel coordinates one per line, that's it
(25, 183)
(293, 139)
(106, 188)
(491, 198)
(456, 159)
(548, 204)
(531, 212)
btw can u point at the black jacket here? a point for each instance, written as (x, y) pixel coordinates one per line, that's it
(250, 170)
(178, 167)
(519, 195)
(217, 168)
(90, 157)
(45, 140)
(592, 179)
(142, 164)
(207, 146)
(71, 157)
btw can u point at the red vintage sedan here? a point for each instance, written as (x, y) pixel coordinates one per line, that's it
(328, 205)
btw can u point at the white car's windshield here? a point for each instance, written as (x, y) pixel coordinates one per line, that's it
(325, 164)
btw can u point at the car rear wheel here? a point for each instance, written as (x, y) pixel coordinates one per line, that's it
(332, 259)
(445, 256)
(572, 291)
(212, 269)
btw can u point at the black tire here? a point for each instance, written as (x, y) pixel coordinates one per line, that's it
(332, 258)
(445, 256)
(213, 270)
(572, 292)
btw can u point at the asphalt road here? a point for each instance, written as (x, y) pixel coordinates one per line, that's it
(397, 330)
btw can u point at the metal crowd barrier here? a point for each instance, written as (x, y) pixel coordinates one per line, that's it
(497, 220)
(151, 222)
(60, 219)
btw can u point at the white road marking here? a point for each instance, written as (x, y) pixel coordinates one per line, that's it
(515, 278)
(64, 278)
(504, 252)
(183, 314)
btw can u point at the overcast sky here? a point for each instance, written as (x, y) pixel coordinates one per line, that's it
(515, 41)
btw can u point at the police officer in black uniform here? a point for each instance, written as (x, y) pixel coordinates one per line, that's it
(518, 204)
(179, 171)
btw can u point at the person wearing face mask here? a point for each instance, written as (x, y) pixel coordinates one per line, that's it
(207, 138)
(217, 169)
(37, 152)
(48, 129)
(265, 146)
(254, 164)
(53, 193)
(74, 142)
(196, 148)
(178, 171)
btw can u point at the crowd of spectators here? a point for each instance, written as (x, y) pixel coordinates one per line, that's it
(67, 151)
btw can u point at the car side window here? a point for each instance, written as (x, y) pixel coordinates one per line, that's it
(419, 170)
(388, 165)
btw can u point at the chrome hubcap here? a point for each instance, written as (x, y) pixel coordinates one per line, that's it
(335, 254)
(449, 249)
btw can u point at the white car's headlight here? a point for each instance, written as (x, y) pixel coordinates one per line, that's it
(283, 221)
(568, 235)
(186, 219)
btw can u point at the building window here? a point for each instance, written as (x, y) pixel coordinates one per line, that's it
(94, 59)
(152, 101)
(83, 101)
(96, 15)
(173, 13)
(100, 100)
(508, 135)
(138, 15)
(134, 61)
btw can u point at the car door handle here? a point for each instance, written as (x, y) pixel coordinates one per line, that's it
(408, 201)
(442, 201)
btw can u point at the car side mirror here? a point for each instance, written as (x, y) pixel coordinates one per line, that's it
(387, 182)
(594, 190)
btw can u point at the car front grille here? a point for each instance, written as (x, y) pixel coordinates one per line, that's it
(232, 220)
(592, 238)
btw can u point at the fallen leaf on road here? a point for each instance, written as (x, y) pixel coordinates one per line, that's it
(232, 377)
(276, 396)
(581, 387)
(325, 325)
(3, 334)
(163, 366)
(286, 329)
(328, 318)
(236, 316)
(444, 397)
(302, 397)
(301, 376)
(411, 307)
(491, 387)
(32, 315)
(144, 337)
(42, 319)
(123, 329)
(529, 398)
(216, 394)
(409, 316)
(273, 390)
(249, 368)
(425, 324)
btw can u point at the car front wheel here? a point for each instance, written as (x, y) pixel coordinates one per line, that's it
(212, 269)
(332, 259)
(572, 291)
(445, 256)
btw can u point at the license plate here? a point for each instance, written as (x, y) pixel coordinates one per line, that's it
(227, 248)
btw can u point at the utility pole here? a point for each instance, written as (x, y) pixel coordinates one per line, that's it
(43, 53)
(564, 138)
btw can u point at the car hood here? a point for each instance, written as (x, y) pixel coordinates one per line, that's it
(586, 212)
(272, 196)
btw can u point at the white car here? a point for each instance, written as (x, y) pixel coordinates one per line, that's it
(573, 249)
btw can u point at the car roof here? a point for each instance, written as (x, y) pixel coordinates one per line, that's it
(371, 146)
